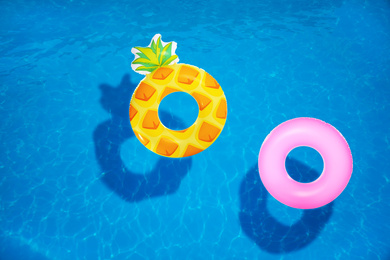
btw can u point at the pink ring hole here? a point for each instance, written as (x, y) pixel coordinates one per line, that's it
(310, 157)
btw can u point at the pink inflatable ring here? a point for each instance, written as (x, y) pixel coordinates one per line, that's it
(318, 135)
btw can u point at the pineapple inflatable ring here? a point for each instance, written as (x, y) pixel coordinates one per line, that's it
(164, 76)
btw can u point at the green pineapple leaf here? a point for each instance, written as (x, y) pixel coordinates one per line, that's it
(156, 55)
(166, 53)
(147, 69)
(169, 60)
(144, 61)
(160, 47)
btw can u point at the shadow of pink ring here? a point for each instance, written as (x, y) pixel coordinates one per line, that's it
(322, 137)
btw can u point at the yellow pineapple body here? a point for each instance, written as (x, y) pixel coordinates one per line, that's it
(154, 87)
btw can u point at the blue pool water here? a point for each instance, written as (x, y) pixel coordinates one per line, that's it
(76, 184)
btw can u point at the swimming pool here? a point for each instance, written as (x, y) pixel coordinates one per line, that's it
(76, 184)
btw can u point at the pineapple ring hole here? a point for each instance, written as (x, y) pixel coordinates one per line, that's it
(178, 106)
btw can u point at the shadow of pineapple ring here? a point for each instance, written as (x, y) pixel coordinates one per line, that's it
(167, 173)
